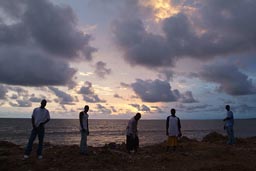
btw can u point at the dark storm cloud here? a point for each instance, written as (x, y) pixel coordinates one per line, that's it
(230, 79)
(55, 29)
(3, 91)
(137, 106)
(118, 96)
(166, 74)
(193, 108)
(33, 68)
(141, 107)
(35, 99)
(101, 70)
(160, 91)
(21, 103)
(64, 98)
(12, 8)
(144, 108)
(213, 28)
(40, 35)
(154, 91)
(158, 109)
(187, 97)
(88, 93)
(103, 109)
(125, 85)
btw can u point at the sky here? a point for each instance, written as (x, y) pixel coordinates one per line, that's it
(121, 57)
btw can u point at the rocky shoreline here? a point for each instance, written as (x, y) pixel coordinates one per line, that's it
(211, 153)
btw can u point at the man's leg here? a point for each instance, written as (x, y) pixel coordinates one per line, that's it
(128, 143)
(232, 135)
(41, 141)
(30, 142)
(82, 142)
(229, 132)
(136, 143)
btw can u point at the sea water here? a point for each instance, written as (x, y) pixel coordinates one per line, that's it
(66, 131)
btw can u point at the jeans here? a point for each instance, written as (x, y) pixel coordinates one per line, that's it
(35, 131)
(132, 143)
(83, 142)
(230, 132)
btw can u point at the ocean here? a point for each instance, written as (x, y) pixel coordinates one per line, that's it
(66, 131)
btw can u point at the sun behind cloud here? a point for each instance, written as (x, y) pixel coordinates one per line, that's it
(162, 8)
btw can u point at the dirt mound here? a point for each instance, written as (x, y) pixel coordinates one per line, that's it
(214, 137)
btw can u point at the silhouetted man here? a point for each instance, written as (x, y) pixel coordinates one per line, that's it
(40, 117)
(84, 129)
(132, 140)
(173, 130)
(229, 123)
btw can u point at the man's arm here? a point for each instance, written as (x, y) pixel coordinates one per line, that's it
(47, 120)
(229, 117)
(33, 122)
(81, 120)
(179, 126)
(167, 125)
(88, 127)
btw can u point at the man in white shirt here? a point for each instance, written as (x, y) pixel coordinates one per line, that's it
(84, 129)
(40, 117)
(132, 140)
(173, 130)
(229, 123)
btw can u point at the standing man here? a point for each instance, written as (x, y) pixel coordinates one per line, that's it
(40, 117)
(84, 129)
(229, 123)
(173, 130)
(132, 140)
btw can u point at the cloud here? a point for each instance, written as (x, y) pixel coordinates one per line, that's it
(141, 107)
(194, 108)
(64, 98)
(158, 109)
(154, 91)
(230, 79)
(32, 68)
(160, 91)
(125, 85)
(118, 96)
(210, 30)
(88, 93)
(137, 106)
(3, 91)
(103, 109)
(46, 42)
(21, 103)
(101, 70)
(33, 98)
(187, 97)
(145, 108)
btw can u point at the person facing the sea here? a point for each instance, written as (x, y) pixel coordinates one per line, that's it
(132, 139)
(84, 130)
(40, 117)
(228, 126)
(173, 130)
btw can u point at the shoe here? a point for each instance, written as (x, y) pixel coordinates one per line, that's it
(25, 157)
(40, 157)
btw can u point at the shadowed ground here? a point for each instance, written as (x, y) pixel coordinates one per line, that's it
(210, 154)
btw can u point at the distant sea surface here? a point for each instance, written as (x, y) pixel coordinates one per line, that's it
(66, 131)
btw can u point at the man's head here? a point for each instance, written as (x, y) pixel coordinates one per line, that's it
(43, 103)
(173, 111)
(227, 107)
(137, 116)
(86, 108)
